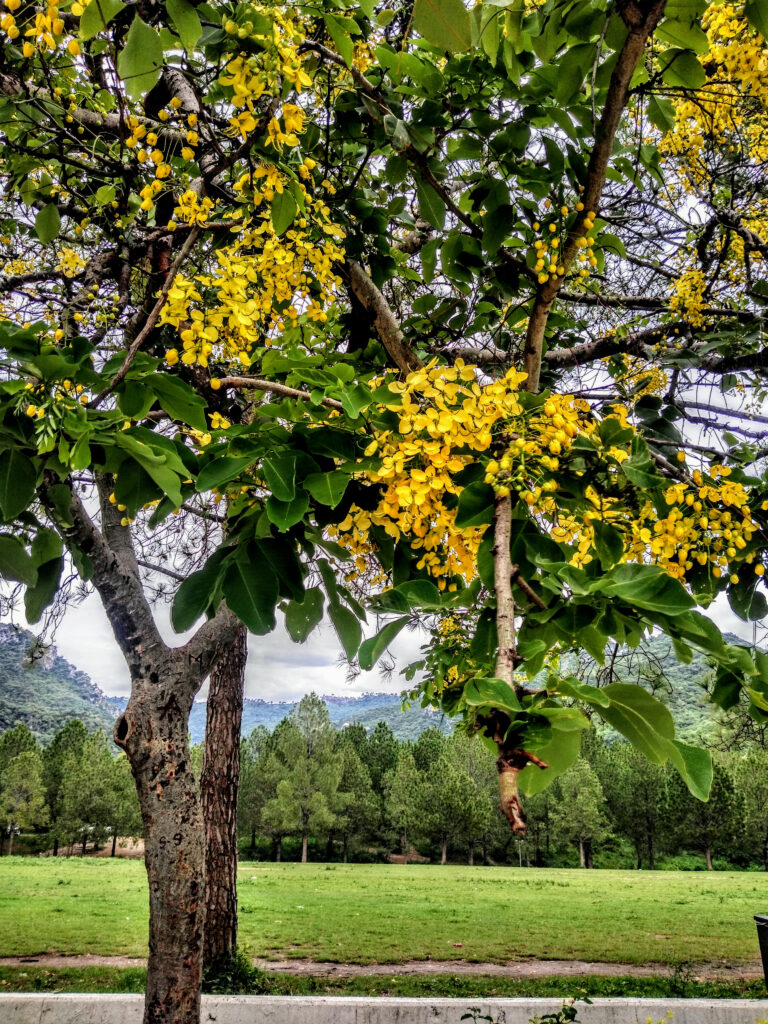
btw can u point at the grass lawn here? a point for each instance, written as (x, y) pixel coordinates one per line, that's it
(389, 913)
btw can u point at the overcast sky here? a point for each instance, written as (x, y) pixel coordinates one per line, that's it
(278, 669)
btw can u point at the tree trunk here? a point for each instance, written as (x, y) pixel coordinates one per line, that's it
(153, 731)
(708, 855)
(651, 856)
(303, 847)
(252, 849)
(218, 791)
(329, 847)
(55, 846)
(114, 843)
(404, 843)
(278, 849)
(582, 861)
(344, 849)
(471, 857)
(588, 854)
(444, 852)
(10, 842)
(85, 840)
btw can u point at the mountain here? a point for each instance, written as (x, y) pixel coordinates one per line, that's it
(43, 690)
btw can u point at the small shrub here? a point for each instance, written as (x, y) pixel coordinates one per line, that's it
(235, 975)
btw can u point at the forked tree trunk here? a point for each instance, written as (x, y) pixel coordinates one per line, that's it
(218, 790)
(153, 731)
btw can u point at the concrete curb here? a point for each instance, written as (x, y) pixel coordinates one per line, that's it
(44, 1008)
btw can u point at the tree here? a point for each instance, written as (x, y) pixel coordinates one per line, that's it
(219, 789)
(633, 792)
(403, 799)
(15, 741)
(87, 792)
(124, 814)
(456, 397)
(362, 813)
(253, 793)
(712, 827)
(750, 777)
(308, 796)
(381, 755)
(70, 739)
(579, 815)
(428, 748)
(22, 795)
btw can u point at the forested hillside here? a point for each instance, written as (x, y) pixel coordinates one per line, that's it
(41, 689)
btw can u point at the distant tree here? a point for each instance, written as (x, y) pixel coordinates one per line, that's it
(123, 812)
(357, 734)
(14, 742)
(70, 739)
(362, 813)
(253, 793)
(403, 799)
(484, 824)
(87, 793)
(381, 755)
(22, 794)
(633, 788)
(716, 826)
(450, 801)
(308, 798)
(750, 775)
(579, 814)
(428, 748)
(538, 813)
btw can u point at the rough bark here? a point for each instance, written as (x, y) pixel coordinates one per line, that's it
(218, 791)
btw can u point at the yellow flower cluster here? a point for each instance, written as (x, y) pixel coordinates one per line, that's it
(545, 255)
(733, 105)
(262, 282)
(70, 263)
(192, 209)
(45, 32)
(251, 76)
(445, 420)
(687, 299)
(643, 378)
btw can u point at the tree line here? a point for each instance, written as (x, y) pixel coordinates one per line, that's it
(311, 791)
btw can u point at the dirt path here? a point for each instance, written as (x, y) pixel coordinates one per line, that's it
(715, 970)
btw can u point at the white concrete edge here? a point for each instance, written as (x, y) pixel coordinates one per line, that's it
(71, 1008)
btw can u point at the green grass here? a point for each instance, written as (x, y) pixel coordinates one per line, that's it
(387, 913)
(132, 979)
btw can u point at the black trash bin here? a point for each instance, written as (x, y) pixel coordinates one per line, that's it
(761, 920)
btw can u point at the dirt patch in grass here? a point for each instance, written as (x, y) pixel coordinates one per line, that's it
(715, 971)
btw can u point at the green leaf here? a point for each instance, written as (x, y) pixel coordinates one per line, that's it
(327, 488)
(348, 629)
(684, 33)
(97, 15)
(591, 695)
(179, 400)
(280, 474)
(682, 68)
(476, 505)
(641, 718)
(47, 556)
(280, 555)
(339, 33)
(48, 223)
(17, 483)
(283, 211)
(646, 587)
(250, 590)
(482, 691)
(431, 206)
(222, 470)
(695, 767)
(301, 617)
(373, 648)
(355, 399)
(186, 21)
(444, 23)
(639, 468)
(285, 514)
(196, 593)
(140, 61)
(757, 15)
(154, 462)
(15, 562)
(420, 594)
(609, 543)
(558, 753)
